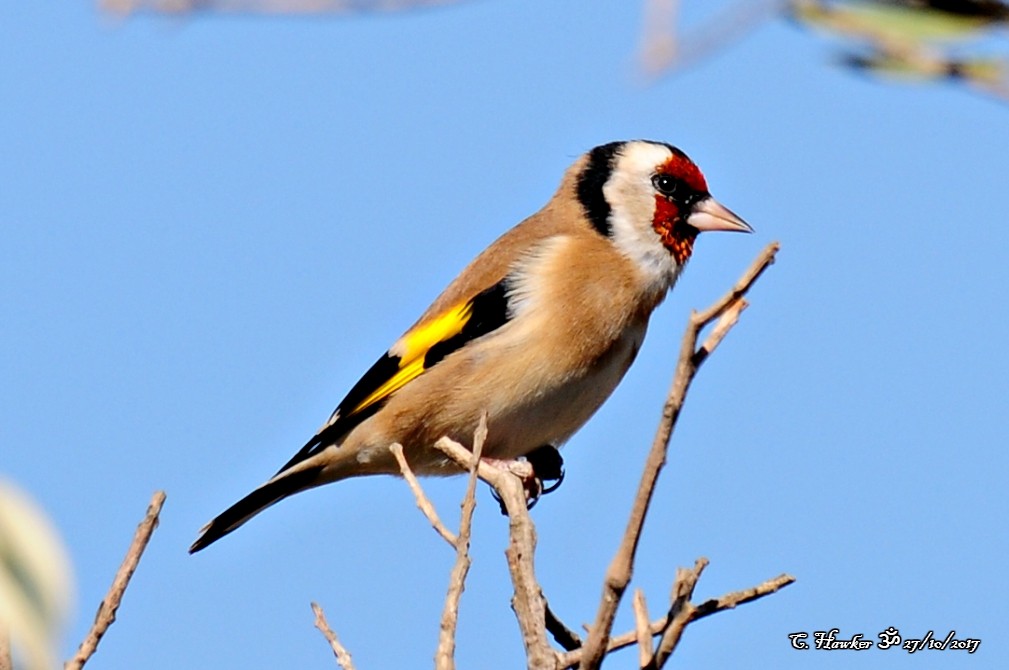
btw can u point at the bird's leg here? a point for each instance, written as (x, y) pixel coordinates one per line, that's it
(540, 466)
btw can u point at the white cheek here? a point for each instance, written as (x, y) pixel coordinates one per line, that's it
(632, 210)
(631, 197)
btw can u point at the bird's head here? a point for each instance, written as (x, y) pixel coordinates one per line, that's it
(651, 200)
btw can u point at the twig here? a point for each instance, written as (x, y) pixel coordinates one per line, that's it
(107, 610)
(645, 651)
(678, 616)
(343, 658)
(444, 658)
(684, 612)
(564, 636)
(730, 600)
(527, 601)
(618, 574)
(422, 500)
(663, 50)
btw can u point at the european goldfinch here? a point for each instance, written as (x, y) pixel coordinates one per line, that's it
(537, 331)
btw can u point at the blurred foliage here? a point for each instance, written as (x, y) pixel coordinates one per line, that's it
(908, 40)
(912, 40)
(264, 6)
(35, 580)
(915, 40)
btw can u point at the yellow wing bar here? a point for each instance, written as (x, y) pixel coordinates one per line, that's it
(415, 345)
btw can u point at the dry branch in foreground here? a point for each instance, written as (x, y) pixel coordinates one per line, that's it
(683, 611)
(726, 310)
(107, 610)
(527, 600)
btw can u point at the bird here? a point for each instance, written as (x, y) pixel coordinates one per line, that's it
(534, 334)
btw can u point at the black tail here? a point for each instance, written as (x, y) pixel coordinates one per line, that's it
(252, 504)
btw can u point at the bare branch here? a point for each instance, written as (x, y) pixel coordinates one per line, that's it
(645, 651)
(618, 574)
(423, 503)
(107, 610)
(763, 261)
(721, 329)
(444, 658)
(684, 612)
(681, 613)
(730, 600)
(527, 601)
(343, 658)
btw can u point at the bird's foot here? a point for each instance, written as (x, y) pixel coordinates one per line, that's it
(541, 472)
(548, 466)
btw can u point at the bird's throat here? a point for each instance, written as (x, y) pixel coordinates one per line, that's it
(677, 237)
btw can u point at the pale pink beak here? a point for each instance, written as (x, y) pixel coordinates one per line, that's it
(709, 214)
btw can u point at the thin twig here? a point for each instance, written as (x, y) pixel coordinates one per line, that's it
(725, 323)
(645, 650)
(107, 610)
(618, 574)
(678, 615)
(423, 502)
(444, 658)
(684, 612)
(730, 600)
(564, 636)
(527, 601)
(343, 658)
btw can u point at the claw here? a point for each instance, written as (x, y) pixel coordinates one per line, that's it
(541, 472)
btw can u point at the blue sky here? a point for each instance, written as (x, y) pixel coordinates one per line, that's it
(210, 228)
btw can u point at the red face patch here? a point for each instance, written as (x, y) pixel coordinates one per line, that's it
(676, 236)
(668, 222)
(683, 168)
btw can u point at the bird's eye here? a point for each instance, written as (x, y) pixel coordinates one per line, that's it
(666, 184)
